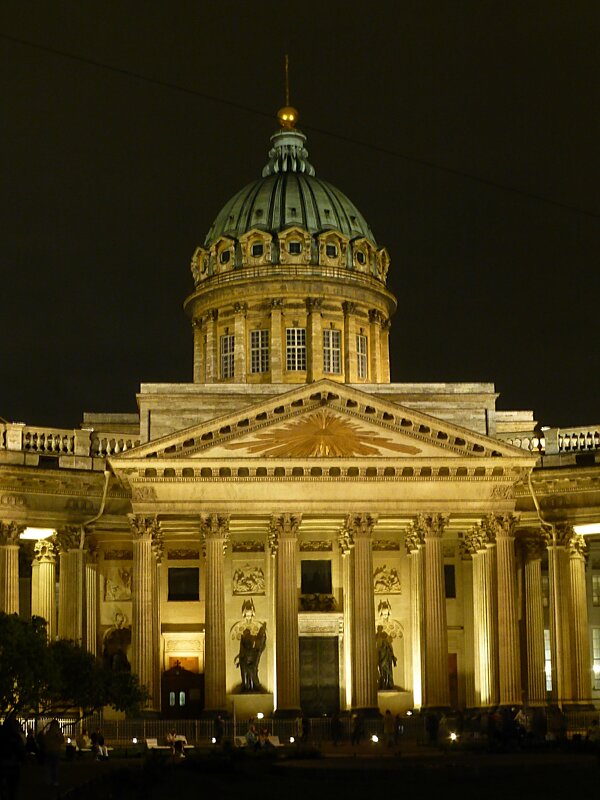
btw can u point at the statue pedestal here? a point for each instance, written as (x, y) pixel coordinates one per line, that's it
(246, 706)
(398, 702)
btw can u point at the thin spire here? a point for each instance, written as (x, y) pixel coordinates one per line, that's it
(287, 80)
(288, 115)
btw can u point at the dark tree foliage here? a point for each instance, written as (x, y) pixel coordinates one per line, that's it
(41, 678)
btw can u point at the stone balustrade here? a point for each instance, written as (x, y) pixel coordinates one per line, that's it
(19, 437)
(558, 441)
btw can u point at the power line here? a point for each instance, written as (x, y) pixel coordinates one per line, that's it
(331, 134)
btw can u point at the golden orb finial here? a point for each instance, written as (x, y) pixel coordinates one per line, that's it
(287, 116)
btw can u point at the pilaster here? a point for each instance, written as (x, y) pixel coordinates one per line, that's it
(211, 353)
(199, 365)
(314, 344)
(375, 320)
(240, 366)
(385, 351)
(350, 356)
(276, 346)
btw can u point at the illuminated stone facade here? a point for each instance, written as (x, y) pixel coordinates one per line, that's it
(277, 525)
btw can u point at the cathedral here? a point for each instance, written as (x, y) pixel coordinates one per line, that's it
(291, 532)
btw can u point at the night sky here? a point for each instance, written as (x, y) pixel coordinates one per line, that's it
(466, 133)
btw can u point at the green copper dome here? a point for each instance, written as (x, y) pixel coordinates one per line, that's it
(288, 195)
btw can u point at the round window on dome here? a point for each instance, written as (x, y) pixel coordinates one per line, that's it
(294, 248)
(257, 250)
(225, 256)
(360, 257)
(331, 250)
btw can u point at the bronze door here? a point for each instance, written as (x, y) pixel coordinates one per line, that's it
(319, 675)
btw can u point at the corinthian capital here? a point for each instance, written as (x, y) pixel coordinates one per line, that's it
(360, 526)
(345, 541)
(44, 551)
(503, 525)
(9, 533)
(313, 304)
(143, 526)
(431, 526)
(68, 538)
(578, 546)
(215, 526)
(284, 526)
(414, 538)
(533, 547)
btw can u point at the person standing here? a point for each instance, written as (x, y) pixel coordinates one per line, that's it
(54, 742)
(12, 753)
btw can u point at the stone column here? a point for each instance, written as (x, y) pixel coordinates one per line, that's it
(9, 567)
(375, 320)
(199, 366)
(534, 622)
(215, 529)
(43, 584)
(436, 686)
(91, 599)
(157, 552)
(314, 340)
(240, 365)
(283, 537)
(350, 359)
(415, 544)
(211, 352)
(557, 541)
(509, 658)
(277, 348)
(470, 662)
(144, 646)
(364, 652)
(581, 672)
(346, 544)
(70, 585)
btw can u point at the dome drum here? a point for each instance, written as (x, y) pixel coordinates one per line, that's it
(294, 245)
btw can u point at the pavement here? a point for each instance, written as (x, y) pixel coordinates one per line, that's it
(344, 769)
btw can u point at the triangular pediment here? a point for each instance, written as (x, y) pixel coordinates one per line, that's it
(323, 419)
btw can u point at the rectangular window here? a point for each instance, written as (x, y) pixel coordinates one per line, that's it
(450, 580)
(184, 584)
(227, 355)
(548, 660)
(596, 589)
(361, 356)
(259, 351)
(316, 577)
(596, 658)
(295, 339)
(332, 351)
